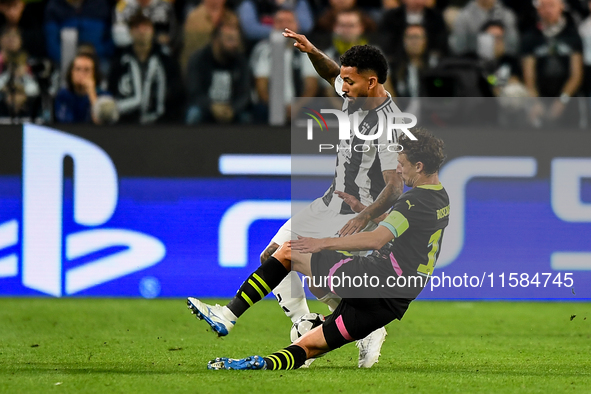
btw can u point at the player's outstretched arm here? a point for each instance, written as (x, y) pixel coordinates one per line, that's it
(369, 240)
(324, 65)
(357, 206)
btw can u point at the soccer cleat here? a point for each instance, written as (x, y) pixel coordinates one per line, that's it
(213, 314)
(252, 362)
(307, 363)
(370, 346)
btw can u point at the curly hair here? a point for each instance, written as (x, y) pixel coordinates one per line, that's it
(366, 58)
(427, 149)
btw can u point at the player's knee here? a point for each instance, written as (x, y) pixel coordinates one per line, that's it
(283, 254)
(268, 251)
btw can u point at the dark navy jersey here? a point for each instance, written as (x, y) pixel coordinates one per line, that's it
(417, 222)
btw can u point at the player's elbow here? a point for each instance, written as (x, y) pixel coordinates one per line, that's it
(380, 237)
(376, 244)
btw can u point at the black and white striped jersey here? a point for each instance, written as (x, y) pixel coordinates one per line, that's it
(360, 163)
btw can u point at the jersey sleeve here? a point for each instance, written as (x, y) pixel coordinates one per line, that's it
(396, 222)
(261, 60)
(402, 216)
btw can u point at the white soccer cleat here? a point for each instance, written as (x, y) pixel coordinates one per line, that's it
(307, 363)
(214, 315)
(370, 346)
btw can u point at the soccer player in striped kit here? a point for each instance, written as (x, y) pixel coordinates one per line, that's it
(368, 175)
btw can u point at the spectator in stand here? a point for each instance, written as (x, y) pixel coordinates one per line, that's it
(19, 90)
(585, 33)
(300, 75)
(13, 59)
(15, 105)
(348, 32)
(29, 18)
(406, 75)
(500, 68)
(145, 81)
(551, 59)
(413, 12)
(74, 103)
(473, 16)
(256, 16)
(219, 80)
(160, 12)
(11, 44)
(92, 19)
(200, 24)
(325, 24)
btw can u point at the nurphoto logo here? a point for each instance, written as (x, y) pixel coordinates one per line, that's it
(386, 125)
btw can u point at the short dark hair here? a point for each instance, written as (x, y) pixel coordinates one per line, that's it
(355, 11)
(96, 73)
(366, 58)
(427, 149)
(139, 19)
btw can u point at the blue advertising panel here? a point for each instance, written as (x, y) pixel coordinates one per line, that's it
(98, 234)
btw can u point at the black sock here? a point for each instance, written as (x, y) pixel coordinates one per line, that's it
(258, 285)
(292, 357)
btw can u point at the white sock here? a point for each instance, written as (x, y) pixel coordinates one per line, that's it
(331, 300)
(291, 296)
(228, 314)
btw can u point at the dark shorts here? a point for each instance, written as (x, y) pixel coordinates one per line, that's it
(355, 317)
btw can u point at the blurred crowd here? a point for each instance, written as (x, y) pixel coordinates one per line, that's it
(197, 61)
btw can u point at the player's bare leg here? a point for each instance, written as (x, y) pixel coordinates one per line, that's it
(290, 292)
(370, 346)
(313, 343)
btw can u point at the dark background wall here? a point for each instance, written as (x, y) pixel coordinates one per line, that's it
(183, 151)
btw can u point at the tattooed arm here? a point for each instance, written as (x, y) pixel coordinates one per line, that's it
(325, 66)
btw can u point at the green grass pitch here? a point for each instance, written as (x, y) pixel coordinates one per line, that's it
(156, 346)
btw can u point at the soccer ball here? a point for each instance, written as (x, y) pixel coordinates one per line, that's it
(305, 324)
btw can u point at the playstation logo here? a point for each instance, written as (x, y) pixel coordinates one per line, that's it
(44, 246)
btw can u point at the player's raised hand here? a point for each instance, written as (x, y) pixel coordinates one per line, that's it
(351, 201)
(301, 42)
(307, 245)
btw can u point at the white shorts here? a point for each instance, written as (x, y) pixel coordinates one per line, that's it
(315, 220)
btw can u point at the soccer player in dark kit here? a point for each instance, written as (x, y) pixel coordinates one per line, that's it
(368, 175)
(406, 245)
